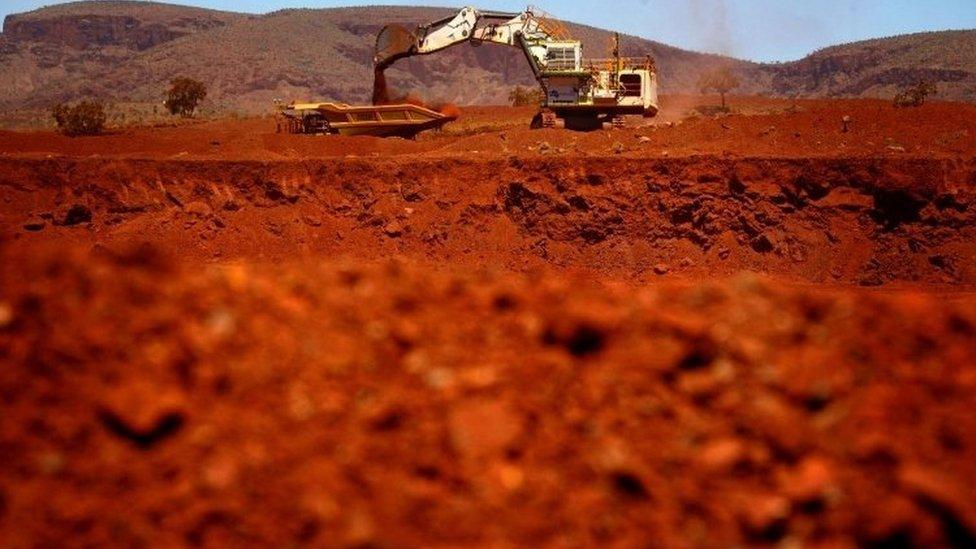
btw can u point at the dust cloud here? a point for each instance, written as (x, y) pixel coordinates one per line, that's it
(712, 18)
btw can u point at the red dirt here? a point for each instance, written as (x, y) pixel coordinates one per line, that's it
(765, 128)
(381, 90)
(217, 335)
(450, 110)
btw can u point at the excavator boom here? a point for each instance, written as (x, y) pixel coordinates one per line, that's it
(469, 25)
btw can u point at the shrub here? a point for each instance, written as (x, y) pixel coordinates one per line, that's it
(184, 95)
(721, 80)
(85, 118)
(520, 96)
(914, 96)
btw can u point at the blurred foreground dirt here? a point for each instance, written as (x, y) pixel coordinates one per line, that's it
(147, 403)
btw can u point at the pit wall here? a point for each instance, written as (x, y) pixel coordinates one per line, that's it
(850, 221)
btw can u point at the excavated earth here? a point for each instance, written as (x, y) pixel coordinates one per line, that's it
(754, 329)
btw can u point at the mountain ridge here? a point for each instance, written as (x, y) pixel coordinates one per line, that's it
(125, 51)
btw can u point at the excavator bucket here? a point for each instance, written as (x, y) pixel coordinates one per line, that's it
(392, 43)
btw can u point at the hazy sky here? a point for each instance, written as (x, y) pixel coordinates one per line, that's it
(764, 30)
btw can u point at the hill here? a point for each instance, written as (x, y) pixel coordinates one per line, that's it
(126, 52)
(880, 67)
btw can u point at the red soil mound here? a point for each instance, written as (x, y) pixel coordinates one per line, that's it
(145, 402)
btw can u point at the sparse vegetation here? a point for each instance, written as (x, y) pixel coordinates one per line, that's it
(721, 81)
(85, 118)
(915, 95)
(520, 97)
(864, 69)
(184, 96)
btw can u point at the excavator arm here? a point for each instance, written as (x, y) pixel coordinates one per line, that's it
(521, 30)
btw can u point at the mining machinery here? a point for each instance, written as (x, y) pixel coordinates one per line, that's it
(577, 93)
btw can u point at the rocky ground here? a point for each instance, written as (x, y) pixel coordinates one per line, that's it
(754, 329)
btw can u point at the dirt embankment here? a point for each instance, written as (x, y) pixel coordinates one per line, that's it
(855, 221)
(153, 402)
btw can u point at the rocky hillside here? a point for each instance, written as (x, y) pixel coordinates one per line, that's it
(66, 51)
(126, 52)
(878, 68)
(133, 25)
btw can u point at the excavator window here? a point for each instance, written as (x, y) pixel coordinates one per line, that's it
(631, 84)
(561, 59)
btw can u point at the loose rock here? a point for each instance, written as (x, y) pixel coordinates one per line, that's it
(722, 455)
(199, 209)
(765, 516)
(810, 481)
(393, 229)
(35, 225)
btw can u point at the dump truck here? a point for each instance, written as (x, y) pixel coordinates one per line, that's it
(578, 93)
(402, 120)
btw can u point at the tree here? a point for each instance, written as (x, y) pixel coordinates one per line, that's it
(184, 96)
(915, 95)
(85, 118)
(721, 80)
(520, 96)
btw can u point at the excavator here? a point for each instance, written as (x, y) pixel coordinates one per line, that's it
(577, 93)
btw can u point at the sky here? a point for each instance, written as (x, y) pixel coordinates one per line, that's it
(761, 30)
